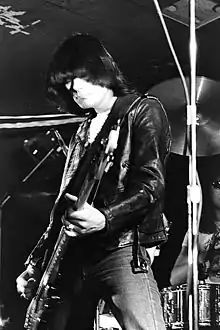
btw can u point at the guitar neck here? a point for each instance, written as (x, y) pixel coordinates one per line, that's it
(53, 264)
(90, 182)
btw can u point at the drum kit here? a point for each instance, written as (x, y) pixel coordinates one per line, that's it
(171, 94)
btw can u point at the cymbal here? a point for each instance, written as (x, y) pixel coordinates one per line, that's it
(171, 94)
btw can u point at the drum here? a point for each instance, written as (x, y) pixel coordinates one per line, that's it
(174, 305)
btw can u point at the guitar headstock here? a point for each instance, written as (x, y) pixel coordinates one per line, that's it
(113, 138)
(112, 145)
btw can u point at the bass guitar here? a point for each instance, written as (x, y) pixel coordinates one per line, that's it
(41, 302)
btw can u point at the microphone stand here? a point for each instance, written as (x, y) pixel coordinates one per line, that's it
(60, 146)
(8, 196)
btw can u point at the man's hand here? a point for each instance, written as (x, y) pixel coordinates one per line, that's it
(85, 220)
(27, 282)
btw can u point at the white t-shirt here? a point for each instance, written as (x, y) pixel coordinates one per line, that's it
(96, 125)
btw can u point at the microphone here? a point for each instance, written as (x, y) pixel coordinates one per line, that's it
(60, 141)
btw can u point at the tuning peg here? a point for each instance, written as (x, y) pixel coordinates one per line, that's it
(53, 288)
(55, 297)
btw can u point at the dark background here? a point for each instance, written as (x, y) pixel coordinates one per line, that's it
(132, 32)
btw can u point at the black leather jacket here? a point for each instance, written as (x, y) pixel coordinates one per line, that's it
(131, 193)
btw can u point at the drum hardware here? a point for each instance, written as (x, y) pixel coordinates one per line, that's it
(60, 141)
(194, 196)
(40, 148)
(174, 305)
(171, 94)
(41, 144)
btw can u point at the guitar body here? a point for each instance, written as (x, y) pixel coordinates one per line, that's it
(36, 312)
(42, 303)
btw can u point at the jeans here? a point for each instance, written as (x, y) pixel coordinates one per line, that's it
(133, 298)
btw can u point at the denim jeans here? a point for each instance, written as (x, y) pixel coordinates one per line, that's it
(133, 298)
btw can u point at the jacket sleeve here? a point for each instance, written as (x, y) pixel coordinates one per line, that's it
(144, 188)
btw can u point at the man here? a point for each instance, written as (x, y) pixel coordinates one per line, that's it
(208, 236)
(112, 233)
(208, 245)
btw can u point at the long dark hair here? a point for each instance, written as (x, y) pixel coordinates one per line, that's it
(84, 56)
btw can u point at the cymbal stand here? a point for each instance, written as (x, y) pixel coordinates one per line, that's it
(58, 145)
(193, 189)
(6, 198)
